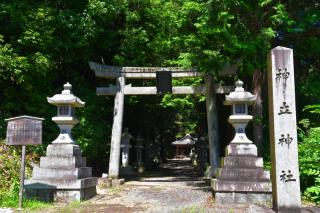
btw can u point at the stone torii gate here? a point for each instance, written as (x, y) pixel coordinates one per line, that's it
(121, 89)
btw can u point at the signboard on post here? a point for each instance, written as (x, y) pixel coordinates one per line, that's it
(24, 130)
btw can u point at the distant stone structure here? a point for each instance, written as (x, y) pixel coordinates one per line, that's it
(241, 178)
(202, 150)
(184, 146)
(125, 169)
(62, 174)
(139, 150)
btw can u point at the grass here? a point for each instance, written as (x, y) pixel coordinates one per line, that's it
(11, 200)
(114, 190)
(71, 207)
(194, 209)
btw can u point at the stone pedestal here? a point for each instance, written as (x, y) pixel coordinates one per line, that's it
(242, 178)
(62, 176)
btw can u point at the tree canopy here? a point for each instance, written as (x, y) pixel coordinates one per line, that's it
(44, 44)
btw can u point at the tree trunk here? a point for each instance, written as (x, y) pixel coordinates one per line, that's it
(258, 77)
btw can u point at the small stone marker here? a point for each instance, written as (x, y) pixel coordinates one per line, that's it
(24, 130)
(283, 131)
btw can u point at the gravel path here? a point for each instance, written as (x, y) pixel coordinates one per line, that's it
(176, 187)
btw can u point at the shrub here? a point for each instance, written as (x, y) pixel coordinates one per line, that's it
(309, 161)
(10, 158)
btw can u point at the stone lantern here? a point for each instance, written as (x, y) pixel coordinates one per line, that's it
(242, 178)
(139, 149)
(239, 100)
(125, 145)
(125, 168)
(62, 174)
(65, 119)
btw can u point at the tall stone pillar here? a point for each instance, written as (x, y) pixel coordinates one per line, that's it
(116, 129)
(212, 119)
(283, 131)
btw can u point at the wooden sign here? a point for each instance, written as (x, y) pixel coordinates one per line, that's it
(24, 130)
(164, 82)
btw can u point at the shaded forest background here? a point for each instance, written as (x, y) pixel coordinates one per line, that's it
(44, 44)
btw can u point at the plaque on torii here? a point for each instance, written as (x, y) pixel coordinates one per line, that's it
(209, 89)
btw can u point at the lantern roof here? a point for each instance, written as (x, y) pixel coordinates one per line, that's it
(239, 95)
(66, 98)
(24, 117)
(186, 140)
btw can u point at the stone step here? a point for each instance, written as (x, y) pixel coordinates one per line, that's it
(62, 162)
(61, 183)
(241, 162)
(63, 150)
(256, 174)
(54, 173)
(241, 149)
(240, 186)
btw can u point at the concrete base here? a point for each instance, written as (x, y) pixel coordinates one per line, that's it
(241, 178)
(61, 195)
(243, 197)
(62, 176)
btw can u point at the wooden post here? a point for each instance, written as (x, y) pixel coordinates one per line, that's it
(283, 131)
(22, 169)
(116, 129)
(212, 119)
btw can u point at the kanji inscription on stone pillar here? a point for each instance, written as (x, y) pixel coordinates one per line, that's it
(283, 131)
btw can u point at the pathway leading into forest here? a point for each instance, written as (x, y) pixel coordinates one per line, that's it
(175, 188)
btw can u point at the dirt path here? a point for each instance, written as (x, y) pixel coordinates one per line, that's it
(175, 187)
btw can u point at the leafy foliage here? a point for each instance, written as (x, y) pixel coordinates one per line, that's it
(10, 157)
(309, 160)
(44, 44)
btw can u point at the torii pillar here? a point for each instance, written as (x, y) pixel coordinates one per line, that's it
(116, 129)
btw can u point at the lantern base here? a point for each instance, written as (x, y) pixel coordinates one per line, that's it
(62, 176)
(64, 138)
(244, 197)
(241, 178)
(243, 149)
